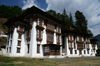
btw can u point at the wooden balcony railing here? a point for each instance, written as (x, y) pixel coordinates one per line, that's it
(79, 47)
(39, 39)
(80, 41)
(50, 29)
(40, 25)
(71, 40)
(52, 53)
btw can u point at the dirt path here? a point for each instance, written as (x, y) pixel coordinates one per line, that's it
(72, 59)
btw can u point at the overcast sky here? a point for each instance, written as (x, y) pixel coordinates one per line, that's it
(90, 8)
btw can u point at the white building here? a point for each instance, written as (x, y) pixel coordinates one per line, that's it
(34, 34)
(78, 45)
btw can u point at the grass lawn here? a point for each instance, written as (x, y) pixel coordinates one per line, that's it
(20, 61)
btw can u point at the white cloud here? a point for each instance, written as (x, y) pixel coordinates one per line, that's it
(90, 8)
(28, 4)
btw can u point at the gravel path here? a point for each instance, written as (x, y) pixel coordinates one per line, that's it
(72, 59)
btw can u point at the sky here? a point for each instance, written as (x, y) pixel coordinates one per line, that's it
(90, 9)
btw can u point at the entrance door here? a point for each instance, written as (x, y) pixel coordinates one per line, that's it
(80, 52)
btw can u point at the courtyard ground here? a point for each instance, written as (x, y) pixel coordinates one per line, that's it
(20, 61)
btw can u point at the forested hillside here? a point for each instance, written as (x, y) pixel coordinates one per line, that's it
(80, 25)
(7, 12)
(98, 37)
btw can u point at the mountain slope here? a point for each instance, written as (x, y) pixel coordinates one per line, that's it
(98, 37)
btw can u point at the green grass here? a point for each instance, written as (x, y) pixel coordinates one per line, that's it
(20, 61)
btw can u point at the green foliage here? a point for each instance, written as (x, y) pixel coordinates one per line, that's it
(3, 41)
(80, 24)
(9, 11)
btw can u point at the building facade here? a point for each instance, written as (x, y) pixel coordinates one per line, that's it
(34, 34)
(78, 45)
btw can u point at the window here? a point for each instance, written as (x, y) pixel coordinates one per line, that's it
(70, 37)
(70, 44)
(80, 52)
(71, 52)
(18, 50)
(58, 39)
(39, 33)
(80, 38)
(28, 46)
(50, 37)
(46, 49)
(20, 36)
(21, 29)
(28, 35)
(84, 52)
(40, 22)
(75, 51)
(80, 45)
(50, 26)
(10, 42)
(87, 45)
(74, 45)
(58, 29)
(11, 36)
(19, 43)
(38, 48)
(87, 51)
(9, 49)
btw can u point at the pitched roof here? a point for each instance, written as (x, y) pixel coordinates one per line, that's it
(33, 10)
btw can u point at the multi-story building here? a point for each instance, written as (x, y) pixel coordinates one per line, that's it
(34, 34)
(94, 46)
(77, 45)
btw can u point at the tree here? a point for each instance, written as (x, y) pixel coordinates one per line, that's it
(52, 12)
(81, 22)
(9, 11)
(71, 23)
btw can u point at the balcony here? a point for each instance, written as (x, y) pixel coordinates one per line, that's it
(88, 48)
(39, 39)
(79, 47)
(58, 31)
(93, 48)
(50, 29)
(70, 40)
(80, 41)
(40, 25)
(87, 42)
(70, 47)
(49, 42)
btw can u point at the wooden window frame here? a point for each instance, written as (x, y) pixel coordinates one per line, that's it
(38, 48)
(50, 37)
(39, 33)
(58, 39)
(20, 36)
(71, 51)
(75, 51)
(28, 48)
(18, 50)
(19, 43)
